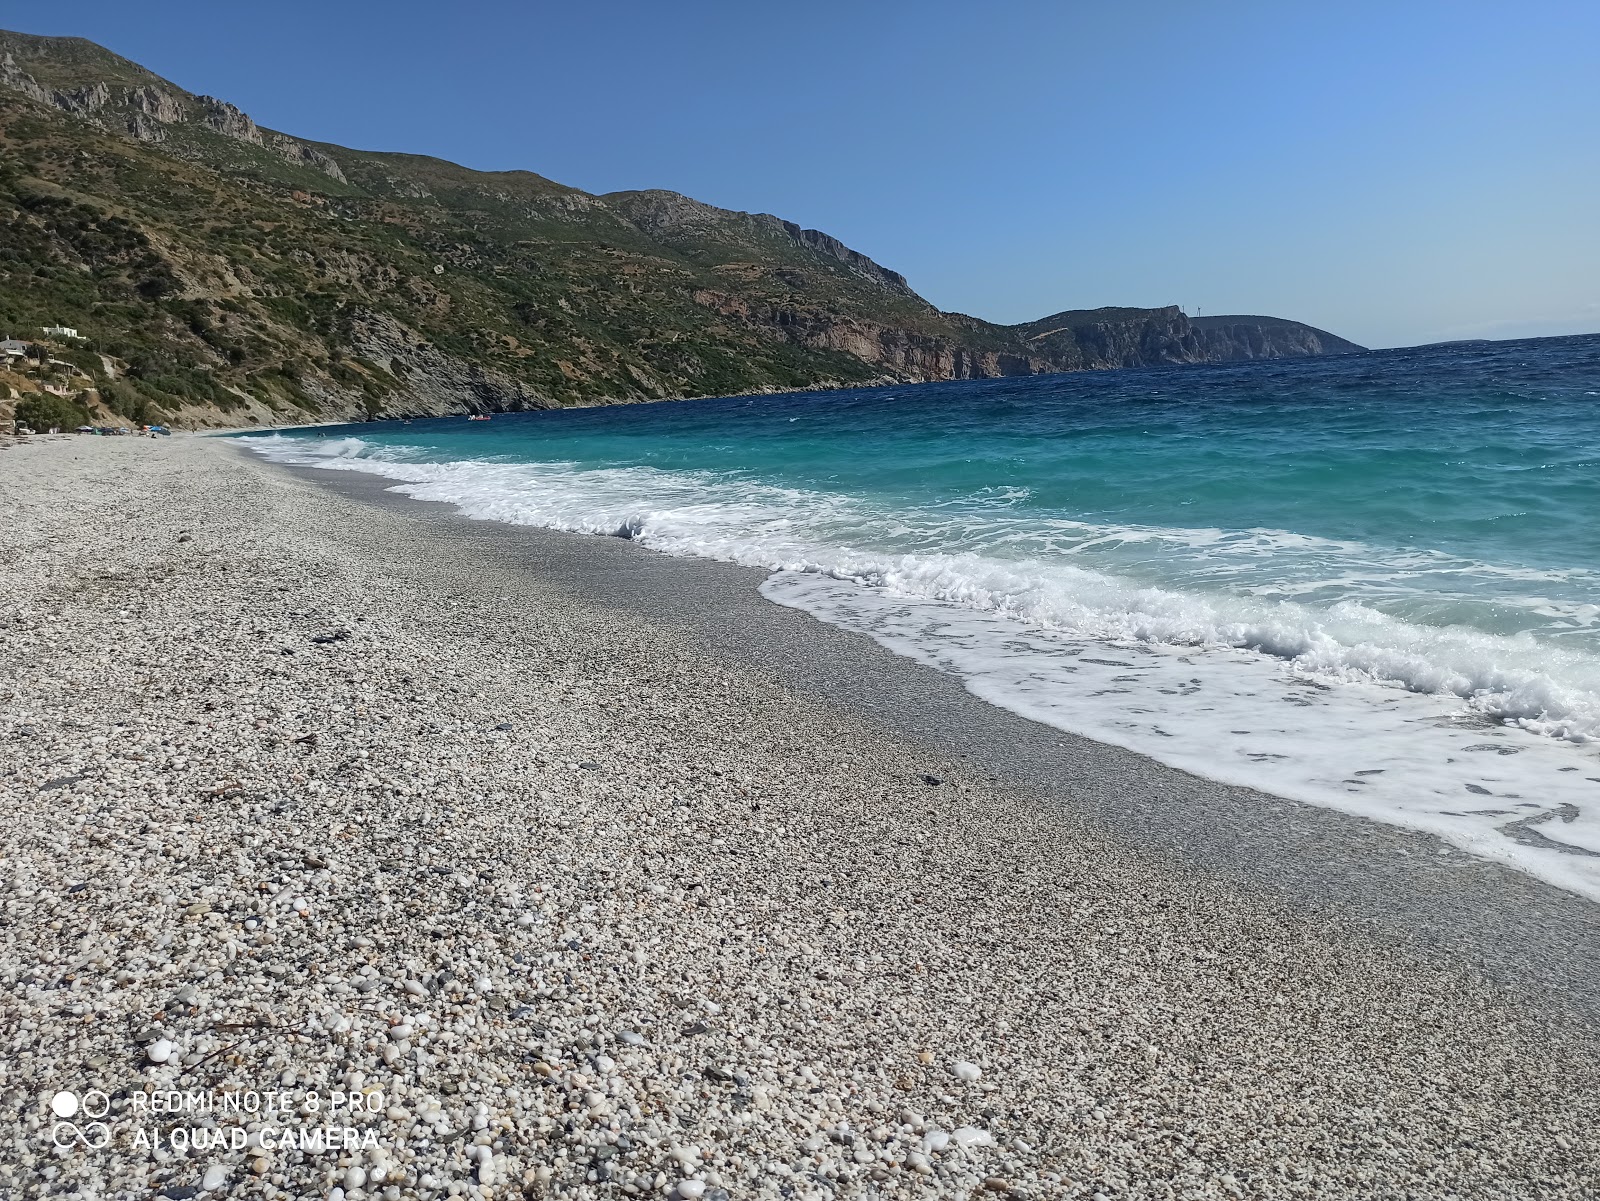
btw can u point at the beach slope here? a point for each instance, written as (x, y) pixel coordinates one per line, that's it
(302, 794)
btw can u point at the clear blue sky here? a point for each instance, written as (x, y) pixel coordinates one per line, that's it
(1397, 172)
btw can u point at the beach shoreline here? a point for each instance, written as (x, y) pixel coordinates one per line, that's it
(718, 817)
(1411, 887)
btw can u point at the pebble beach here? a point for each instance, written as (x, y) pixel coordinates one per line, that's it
(301, 801)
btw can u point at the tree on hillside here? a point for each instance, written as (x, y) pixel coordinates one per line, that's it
(43, 412)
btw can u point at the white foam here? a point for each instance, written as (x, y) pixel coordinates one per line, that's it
(1426, 761)
(1320, 691)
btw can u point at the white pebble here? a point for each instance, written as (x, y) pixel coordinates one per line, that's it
(968, 1072)
(970, 1136)
(691, 1188)
(159, 1051)
(214, 1177)
(355, 1177)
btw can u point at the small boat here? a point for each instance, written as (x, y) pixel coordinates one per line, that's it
(479, 417)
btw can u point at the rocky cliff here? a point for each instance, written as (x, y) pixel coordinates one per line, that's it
(222, 273)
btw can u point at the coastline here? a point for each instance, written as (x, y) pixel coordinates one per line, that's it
(1407, 887)
(713, 812)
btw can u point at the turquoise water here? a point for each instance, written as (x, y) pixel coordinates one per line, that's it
(1272, 559)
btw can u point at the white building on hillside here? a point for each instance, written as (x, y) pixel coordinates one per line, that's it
(62, 331)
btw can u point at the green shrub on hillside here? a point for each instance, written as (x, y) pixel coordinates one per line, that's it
(127, 400)
(43, 412)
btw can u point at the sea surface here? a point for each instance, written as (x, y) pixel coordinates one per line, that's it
(1369, 581)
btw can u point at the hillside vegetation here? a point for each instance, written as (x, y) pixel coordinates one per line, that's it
(221, 273)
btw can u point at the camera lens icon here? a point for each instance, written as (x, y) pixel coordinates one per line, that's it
(64, 1104)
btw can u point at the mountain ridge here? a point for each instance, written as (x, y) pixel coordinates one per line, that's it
(227, 273)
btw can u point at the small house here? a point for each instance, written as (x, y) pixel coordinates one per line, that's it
(10, 348)
(61, 331)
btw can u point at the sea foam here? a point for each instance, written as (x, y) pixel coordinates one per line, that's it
(1485, 739)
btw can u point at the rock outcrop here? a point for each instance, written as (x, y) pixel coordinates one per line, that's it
(228, 120)
(144, 110)
(18, 80)
(429, 381)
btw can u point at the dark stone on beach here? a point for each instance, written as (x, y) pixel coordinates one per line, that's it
(933, 780)
(1479, 789)
(185, 537)
(505, 725)
(719, 1075)
(180, 1192)
(59, 782)
(697, 1028)
(590, 766)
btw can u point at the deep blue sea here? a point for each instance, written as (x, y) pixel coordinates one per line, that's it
(1369, 581)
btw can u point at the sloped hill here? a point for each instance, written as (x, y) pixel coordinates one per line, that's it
(226, 273)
